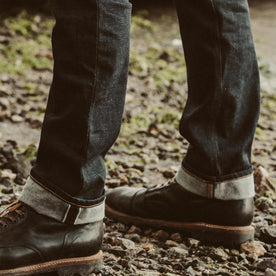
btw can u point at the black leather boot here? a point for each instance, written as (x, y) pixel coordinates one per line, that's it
(225, 222)
(31, 243)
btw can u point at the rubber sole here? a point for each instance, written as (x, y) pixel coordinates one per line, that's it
(83, 266)
(230, 236)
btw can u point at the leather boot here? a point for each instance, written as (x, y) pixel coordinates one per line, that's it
(170, 206)
(31, 243)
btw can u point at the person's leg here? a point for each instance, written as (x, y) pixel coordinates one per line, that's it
(222, 110)
(212, 194)
(60, 212)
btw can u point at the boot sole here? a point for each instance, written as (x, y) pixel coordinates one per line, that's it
(64, 267)
(230, 236)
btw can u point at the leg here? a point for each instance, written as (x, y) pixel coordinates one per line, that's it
(214, 187)
(221, 113)
(61, 209)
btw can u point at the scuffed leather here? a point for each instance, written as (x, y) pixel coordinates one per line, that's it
(36, 238)
(171, 202)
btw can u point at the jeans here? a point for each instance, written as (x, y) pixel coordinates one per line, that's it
(86, 100)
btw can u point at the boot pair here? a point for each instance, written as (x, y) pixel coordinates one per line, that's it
(32, 243)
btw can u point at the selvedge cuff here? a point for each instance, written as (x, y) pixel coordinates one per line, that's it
(234, 189)
(46, 203)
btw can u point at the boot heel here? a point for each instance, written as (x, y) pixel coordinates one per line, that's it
(80, 270)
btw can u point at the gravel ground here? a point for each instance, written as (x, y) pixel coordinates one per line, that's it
(149, 148)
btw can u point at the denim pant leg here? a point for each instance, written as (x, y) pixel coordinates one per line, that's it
(222, 109)
(84, 112)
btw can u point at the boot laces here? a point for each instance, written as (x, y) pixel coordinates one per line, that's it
(9, 213)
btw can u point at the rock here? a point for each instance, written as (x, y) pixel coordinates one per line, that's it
(270, 272)
(263, 203)
(17, 119)
(192, 242)
(262, 181)
(189, 271)
(4, 102)
(268, 263)
(113, 183)
(268, 234)
(134, 230)
(253, 247)
(168, 173)
(176, 237)
(6, 190)
(178, 251)
(161, 234)
(217, 253)
(235, 252)
(171, 243)
(134, 237)
(117, 251)
(150, 273)
(147, 246)
(8, 174)
(127, 244)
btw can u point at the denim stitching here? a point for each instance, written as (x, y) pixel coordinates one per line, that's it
(219, 75)
(56, 195)
(215, 182)
(93, 96)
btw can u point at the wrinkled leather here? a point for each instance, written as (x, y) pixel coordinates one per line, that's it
(35, 238)
(171, 202)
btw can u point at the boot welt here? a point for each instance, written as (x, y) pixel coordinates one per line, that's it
(231, 236)
(64, 267)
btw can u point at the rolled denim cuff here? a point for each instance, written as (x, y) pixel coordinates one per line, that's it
(46, 203)
(234, 189)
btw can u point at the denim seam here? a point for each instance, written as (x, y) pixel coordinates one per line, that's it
(93, 96)
(56, 195)
(213, 182)
(217, 94)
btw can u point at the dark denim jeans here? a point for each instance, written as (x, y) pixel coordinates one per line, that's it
(85, 106)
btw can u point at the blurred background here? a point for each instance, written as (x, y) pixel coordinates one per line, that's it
(149, 148)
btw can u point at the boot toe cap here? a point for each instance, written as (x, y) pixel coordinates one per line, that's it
(121, 198)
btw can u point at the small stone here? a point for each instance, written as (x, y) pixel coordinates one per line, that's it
(171, 243)
(134, 237)
(150, 273)
(192, 242)
(253, 247)
(4, 102)
(161, 234)
(178, 251)
(117, 251)
(113, 183)
(190, 271)
(168, 173)
(235, 252)
(264, 203)
(17, 119)
(7, 190)
(123, 180)
(219, 254)
(8, 174)
(134, 230)
(147, 246)
(270, 272)
(176, 237)
(127, 244)
(268, 234)
(268, 263)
